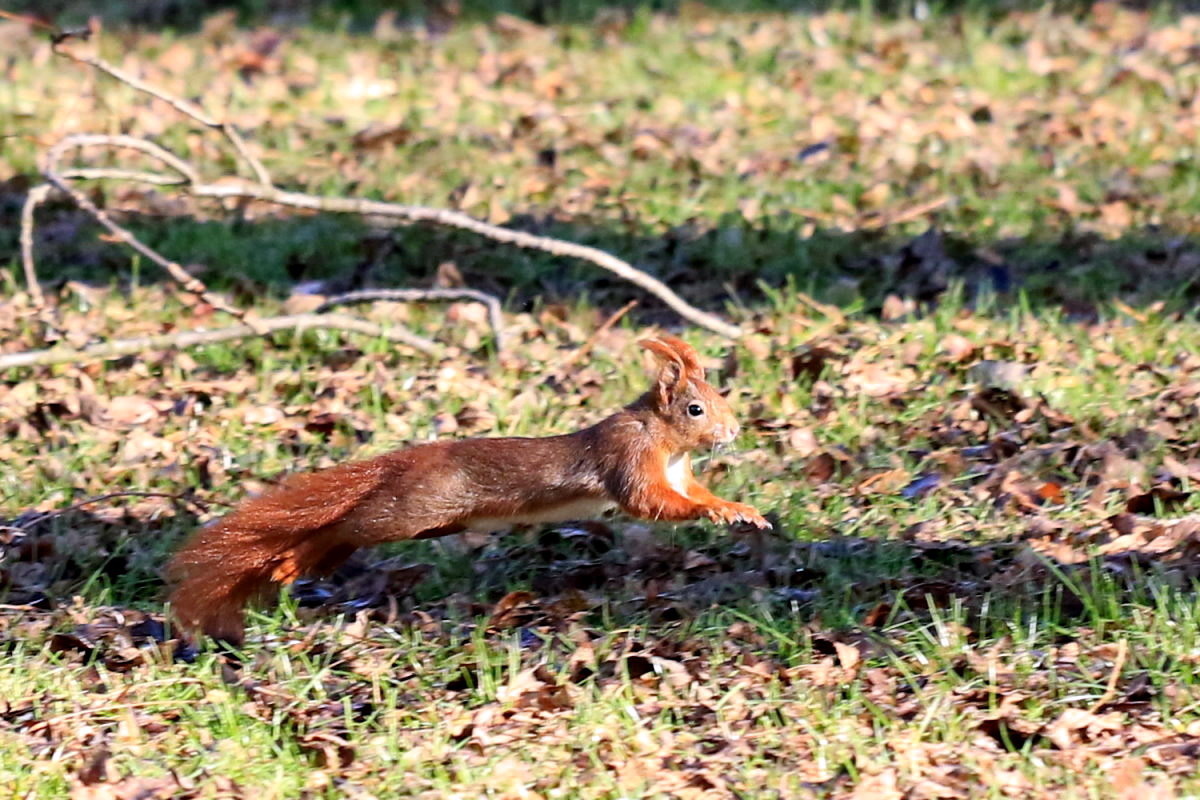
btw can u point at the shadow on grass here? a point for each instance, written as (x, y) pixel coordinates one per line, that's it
(108, 557)
(538, 582)
(710, 264)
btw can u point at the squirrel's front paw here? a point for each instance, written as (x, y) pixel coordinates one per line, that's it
(731, 513)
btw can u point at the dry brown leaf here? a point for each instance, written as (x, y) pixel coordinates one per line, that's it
(803, 442)
(957, 348)
(881, 785)
(848, 656)
(130, 410)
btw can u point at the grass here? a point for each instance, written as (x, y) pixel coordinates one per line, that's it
(971, 590)
(397, 699)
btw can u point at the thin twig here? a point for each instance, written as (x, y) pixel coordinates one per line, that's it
(37, 195)
(495, 317)
(590, 342)
(455, 219)
(175, 269)
(171, 341)
(76, 141)
(32, 22)
(227, 129)
(265, 191)
(139, 176)
(1110, 691)
(906, 214)
(445, 217)
(437, 216)
(452, 219)
(51, 171)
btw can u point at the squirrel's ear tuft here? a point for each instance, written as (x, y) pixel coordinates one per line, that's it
(664, 352)
(673, 371)
(687, 355)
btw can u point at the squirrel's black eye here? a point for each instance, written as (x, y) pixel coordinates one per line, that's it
(695, 410)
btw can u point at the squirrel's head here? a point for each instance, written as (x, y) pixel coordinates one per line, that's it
(693, 411)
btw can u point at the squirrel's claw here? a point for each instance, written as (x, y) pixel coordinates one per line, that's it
(733, 513)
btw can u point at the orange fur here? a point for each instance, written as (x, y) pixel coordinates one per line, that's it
(231, 560)
(312, 522)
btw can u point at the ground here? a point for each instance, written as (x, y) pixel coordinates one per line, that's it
(959, 245)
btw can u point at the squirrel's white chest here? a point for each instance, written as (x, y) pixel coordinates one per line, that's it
(584, 508)
(679, 469)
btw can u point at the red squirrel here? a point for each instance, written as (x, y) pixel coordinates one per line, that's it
(636, 460)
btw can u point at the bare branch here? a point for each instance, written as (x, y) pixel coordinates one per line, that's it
(455, 219)
(495, 318)
(136, 175)
(174, 269)
(192, 110)
(80, 140)
(32, 22)
(437, 216)
(264, 190)
(256, 166)
(37, 195)
(170, 341)
(904, 215)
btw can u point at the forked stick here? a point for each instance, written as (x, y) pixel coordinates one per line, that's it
(266, 191)
(263, 189)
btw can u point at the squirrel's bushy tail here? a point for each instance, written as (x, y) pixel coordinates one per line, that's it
(290, 530)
